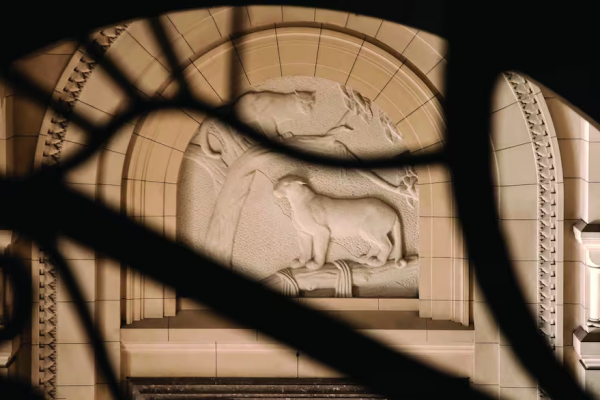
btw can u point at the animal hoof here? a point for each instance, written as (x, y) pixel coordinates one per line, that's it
(297, 264)
(375, 262)
(401, 263)
(312, 265)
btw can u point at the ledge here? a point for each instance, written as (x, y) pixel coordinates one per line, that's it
(390, 327)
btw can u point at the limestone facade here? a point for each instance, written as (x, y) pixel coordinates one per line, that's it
(166, 170)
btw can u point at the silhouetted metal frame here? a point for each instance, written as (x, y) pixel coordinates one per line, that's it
(467, 155)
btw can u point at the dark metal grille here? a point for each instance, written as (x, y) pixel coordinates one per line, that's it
(467, 155)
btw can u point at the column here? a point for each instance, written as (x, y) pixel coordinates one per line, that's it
(586, 338)
(589, 237)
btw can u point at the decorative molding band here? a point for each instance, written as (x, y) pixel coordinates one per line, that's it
(48, 325)
(547, 216)
(71, 92)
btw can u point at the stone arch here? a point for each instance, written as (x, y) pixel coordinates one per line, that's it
(144, 158)
(148, 150)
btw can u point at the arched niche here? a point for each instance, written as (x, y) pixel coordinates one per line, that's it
(138, 171)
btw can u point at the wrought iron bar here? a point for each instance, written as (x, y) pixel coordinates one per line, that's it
(149, 253)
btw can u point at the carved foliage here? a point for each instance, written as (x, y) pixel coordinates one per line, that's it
(47, 325)
(70, 94)
(547, 218)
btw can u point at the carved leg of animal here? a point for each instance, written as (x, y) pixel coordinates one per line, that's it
(283, 135)
(373, 251)
(378, 241)
(306, 246)
(320, 245)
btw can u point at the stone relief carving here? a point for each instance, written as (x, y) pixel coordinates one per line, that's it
(339, 277)
(320, 116)
(317, 218)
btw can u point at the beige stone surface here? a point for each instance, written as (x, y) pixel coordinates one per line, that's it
(154, 196)
(75, 365)
(429, 124)
(214, 63)
(168, 360)
(337, 55)
(516, 165)
(298, 49)
(103, 93)
(486, 364)
(251, 360)
(341, 304)
(291, 13)
(437, 76)
(70, 328)
(441, 272)
(75, 392)
(223, 17)
(259, 55)
(403, 95)
(108, 318)
(197, 27)
(153, 163)
(331, 17)
(197, 84)
(396, 36)
(442, 237)
(263, 15)
(424, 51)
(108, 279)
(512, 204)
(84, 272)
(509, 129)
(372, 70)
(219, 336)
(110, 167)
(364, 24)
(153, 77)
(146, 335)
(521, 236)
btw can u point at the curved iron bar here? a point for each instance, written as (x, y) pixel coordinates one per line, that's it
(194, 275)
(485, 243)
(100, 135)
(497, 249)
(21, 315)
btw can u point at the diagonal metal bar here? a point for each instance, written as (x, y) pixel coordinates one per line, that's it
(176, 71)
(468, 113)
(95, 51)
(101, 134)
(14, 269)
(491, 278)
(193, 275)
